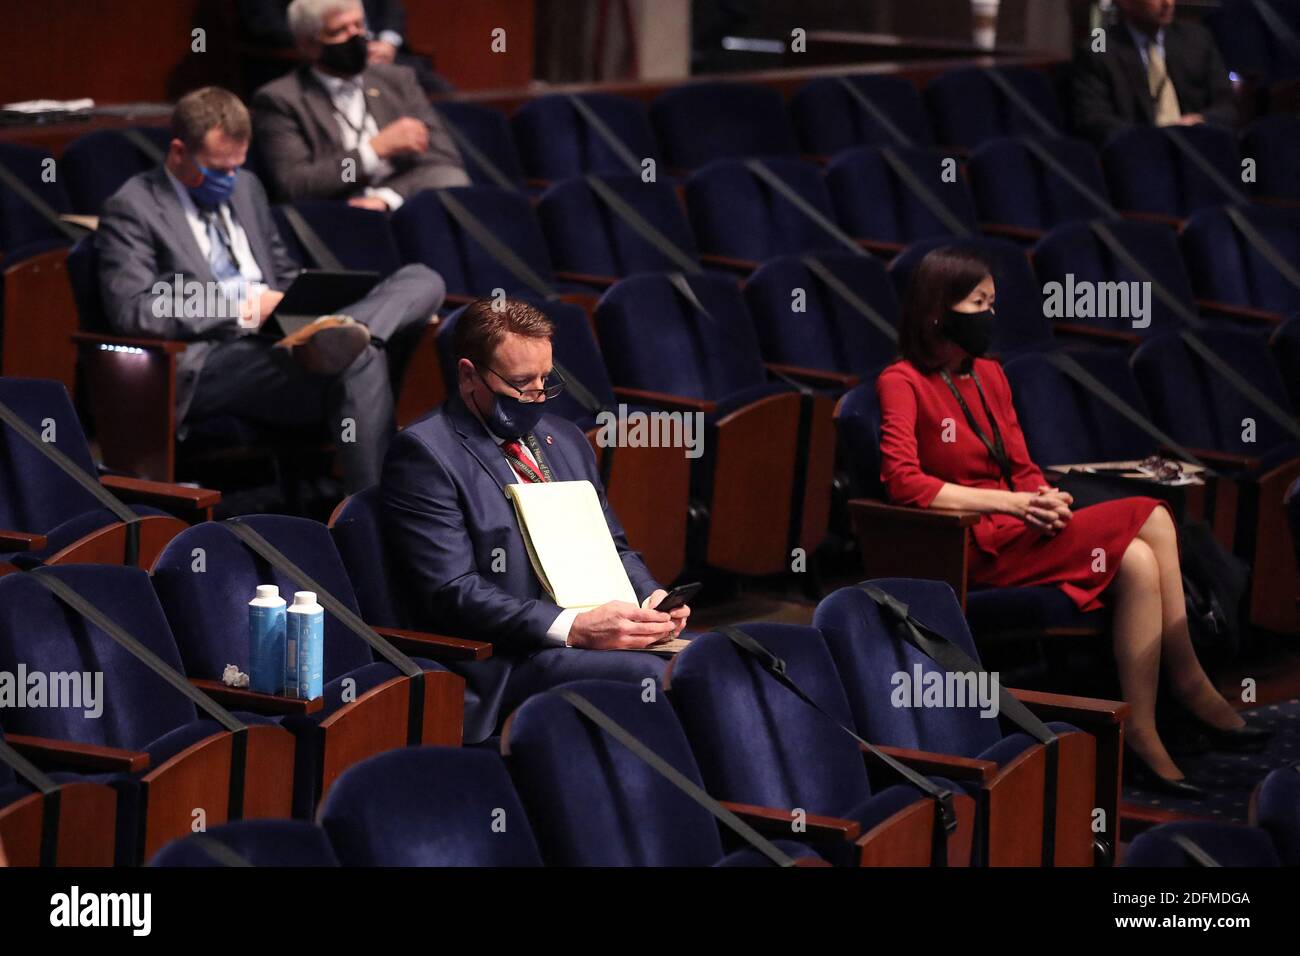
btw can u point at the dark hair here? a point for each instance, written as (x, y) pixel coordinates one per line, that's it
(206, 109)
(943, 278)
(482, 326)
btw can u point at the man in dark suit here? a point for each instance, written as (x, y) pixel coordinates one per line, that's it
(189, 251)
(1152, 70)
(456, 542)
(336, 128)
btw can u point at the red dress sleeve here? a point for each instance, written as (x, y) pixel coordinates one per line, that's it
(900, 466)
(1026, 475)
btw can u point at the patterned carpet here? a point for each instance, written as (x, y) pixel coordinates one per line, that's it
(1230, 778)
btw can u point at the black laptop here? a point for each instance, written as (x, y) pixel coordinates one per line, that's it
(314, 293)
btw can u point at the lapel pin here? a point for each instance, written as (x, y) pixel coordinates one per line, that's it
(373, 91)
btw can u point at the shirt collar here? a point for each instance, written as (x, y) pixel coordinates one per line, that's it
(1143, 40)
(337, 85)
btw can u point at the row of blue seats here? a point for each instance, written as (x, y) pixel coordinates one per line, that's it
(1257, 40)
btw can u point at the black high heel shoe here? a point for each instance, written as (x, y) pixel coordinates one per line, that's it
(1245, 739)
(1142, 776)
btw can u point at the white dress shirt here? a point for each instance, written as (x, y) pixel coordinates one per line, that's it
(250, 283)
(357, 127)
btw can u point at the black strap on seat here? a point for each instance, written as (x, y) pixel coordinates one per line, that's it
(219, 852)
(132, 645)
(642, 226)
(129, 518)
(1194, 850)
(494, 247)
(778, 185)
(924, 193)
(1021, 103)
(1204, 165)
(953, 659)
(601, 129)
(855, 301)
(47, 212)
(49, 791)
(144, 144)
(1044, 156)
(1195, 323)
(276, 558)
(477, 155)
(1257, 241)
(594, 407)
(310, 239)
(1277, 26)
(674, 776)
(1070, 366)
(945, 814)
(879, 116)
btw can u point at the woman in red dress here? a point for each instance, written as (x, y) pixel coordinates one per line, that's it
(949, 438)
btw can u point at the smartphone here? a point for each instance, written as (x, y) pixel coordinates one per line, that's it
(678, 596)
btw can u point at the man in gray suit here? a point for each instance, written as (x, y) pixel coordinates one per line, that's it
(190, 251)
(336, 128)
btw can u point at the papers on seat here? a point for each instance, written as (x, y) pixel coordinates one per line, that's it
(569, 544)
(1191, 474)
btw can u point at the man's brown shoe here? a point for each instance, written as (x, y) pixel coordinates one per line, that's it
(328, 345)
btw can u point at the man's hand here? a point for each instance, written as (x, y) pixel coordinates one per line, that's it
(401, 136)
(368, 202)
(255, 311)
(619, 624)
(678, 615)
(1191, 119)
(380, 51)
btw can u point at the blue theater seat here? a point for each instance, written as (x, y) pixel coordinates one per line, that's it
(1014, 187)
(1285, 345)
(697, 123)
(829, 119)
(358, 238)
(1275, 808)
(1250, 43)
(20, 223)
(1274, 142)
(792, 756)
(556, 142)
(97, 164)
(1225, 266)
(628, 815)
(488, 132)
(278, 843)
(1228, 844)
(1148, 173)
(429, 806)
(968, 108)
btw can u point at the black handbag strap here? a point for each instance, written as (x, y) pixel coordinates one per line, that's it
(310, 239)
(494, 247)
(674, 776)
(78, 474)
(997, 449)
(805, 208)
(773, 666)
(601, 129)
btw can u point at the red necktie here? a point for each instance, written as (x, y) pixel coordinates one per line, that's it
(515, 452)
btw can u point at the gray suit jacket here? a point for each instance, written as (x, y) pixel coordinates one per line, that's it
(145, 239)
(297, 137)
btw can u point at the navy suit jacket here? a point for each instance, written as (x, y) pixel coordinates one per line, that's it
(455, 543)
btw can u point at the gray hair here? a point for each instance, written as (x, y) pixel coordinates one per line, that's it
(306, 17)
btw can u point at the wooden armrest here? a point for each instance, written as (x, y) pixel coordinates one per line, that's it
(743, 266)
(437, 646)
(823, 378)
(948, 516)
(532, 182)
(1159, 218)
(79, 756)
(1012, 232)
(1231, 311)
(679, 402)
(1281, 201)
(817, 159)
(21, 541)
(1093, 332)
(170, 346)
(603, 282)
(931, 764)
(1211, 456)
(881, 248)
(241, 698)
(772, 822)
(1084, 711)
(161, 492)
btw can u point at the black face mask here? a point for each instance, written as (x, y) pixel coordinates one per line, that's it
(347, 57)
(972, 331)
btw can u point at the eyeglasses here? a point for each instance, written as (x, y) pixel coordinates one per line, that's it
(553, 385)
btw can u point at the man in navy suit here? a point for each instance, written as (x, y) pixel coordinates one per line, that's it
(456, 542)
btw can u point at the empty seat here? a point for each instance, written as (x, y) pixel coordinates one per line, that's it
(557, 140)
(874, 199)
(1148, 172)
(629, 815)
(1275, 808)
(1237, 266)
(1013, 185)
(1285, 345)
(429, 806)
(699, 122)
(486, 144)
(97, 164)
(21, 222)
(1273, 142)
(1226, 844)
(830, 117)
(804, 322)
(968, 106)
(357, 238)
(1252, 43)
(295, 843)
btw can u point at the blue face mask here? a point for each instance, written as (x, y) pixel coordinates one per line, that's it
(510, 418)
(215, 188)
